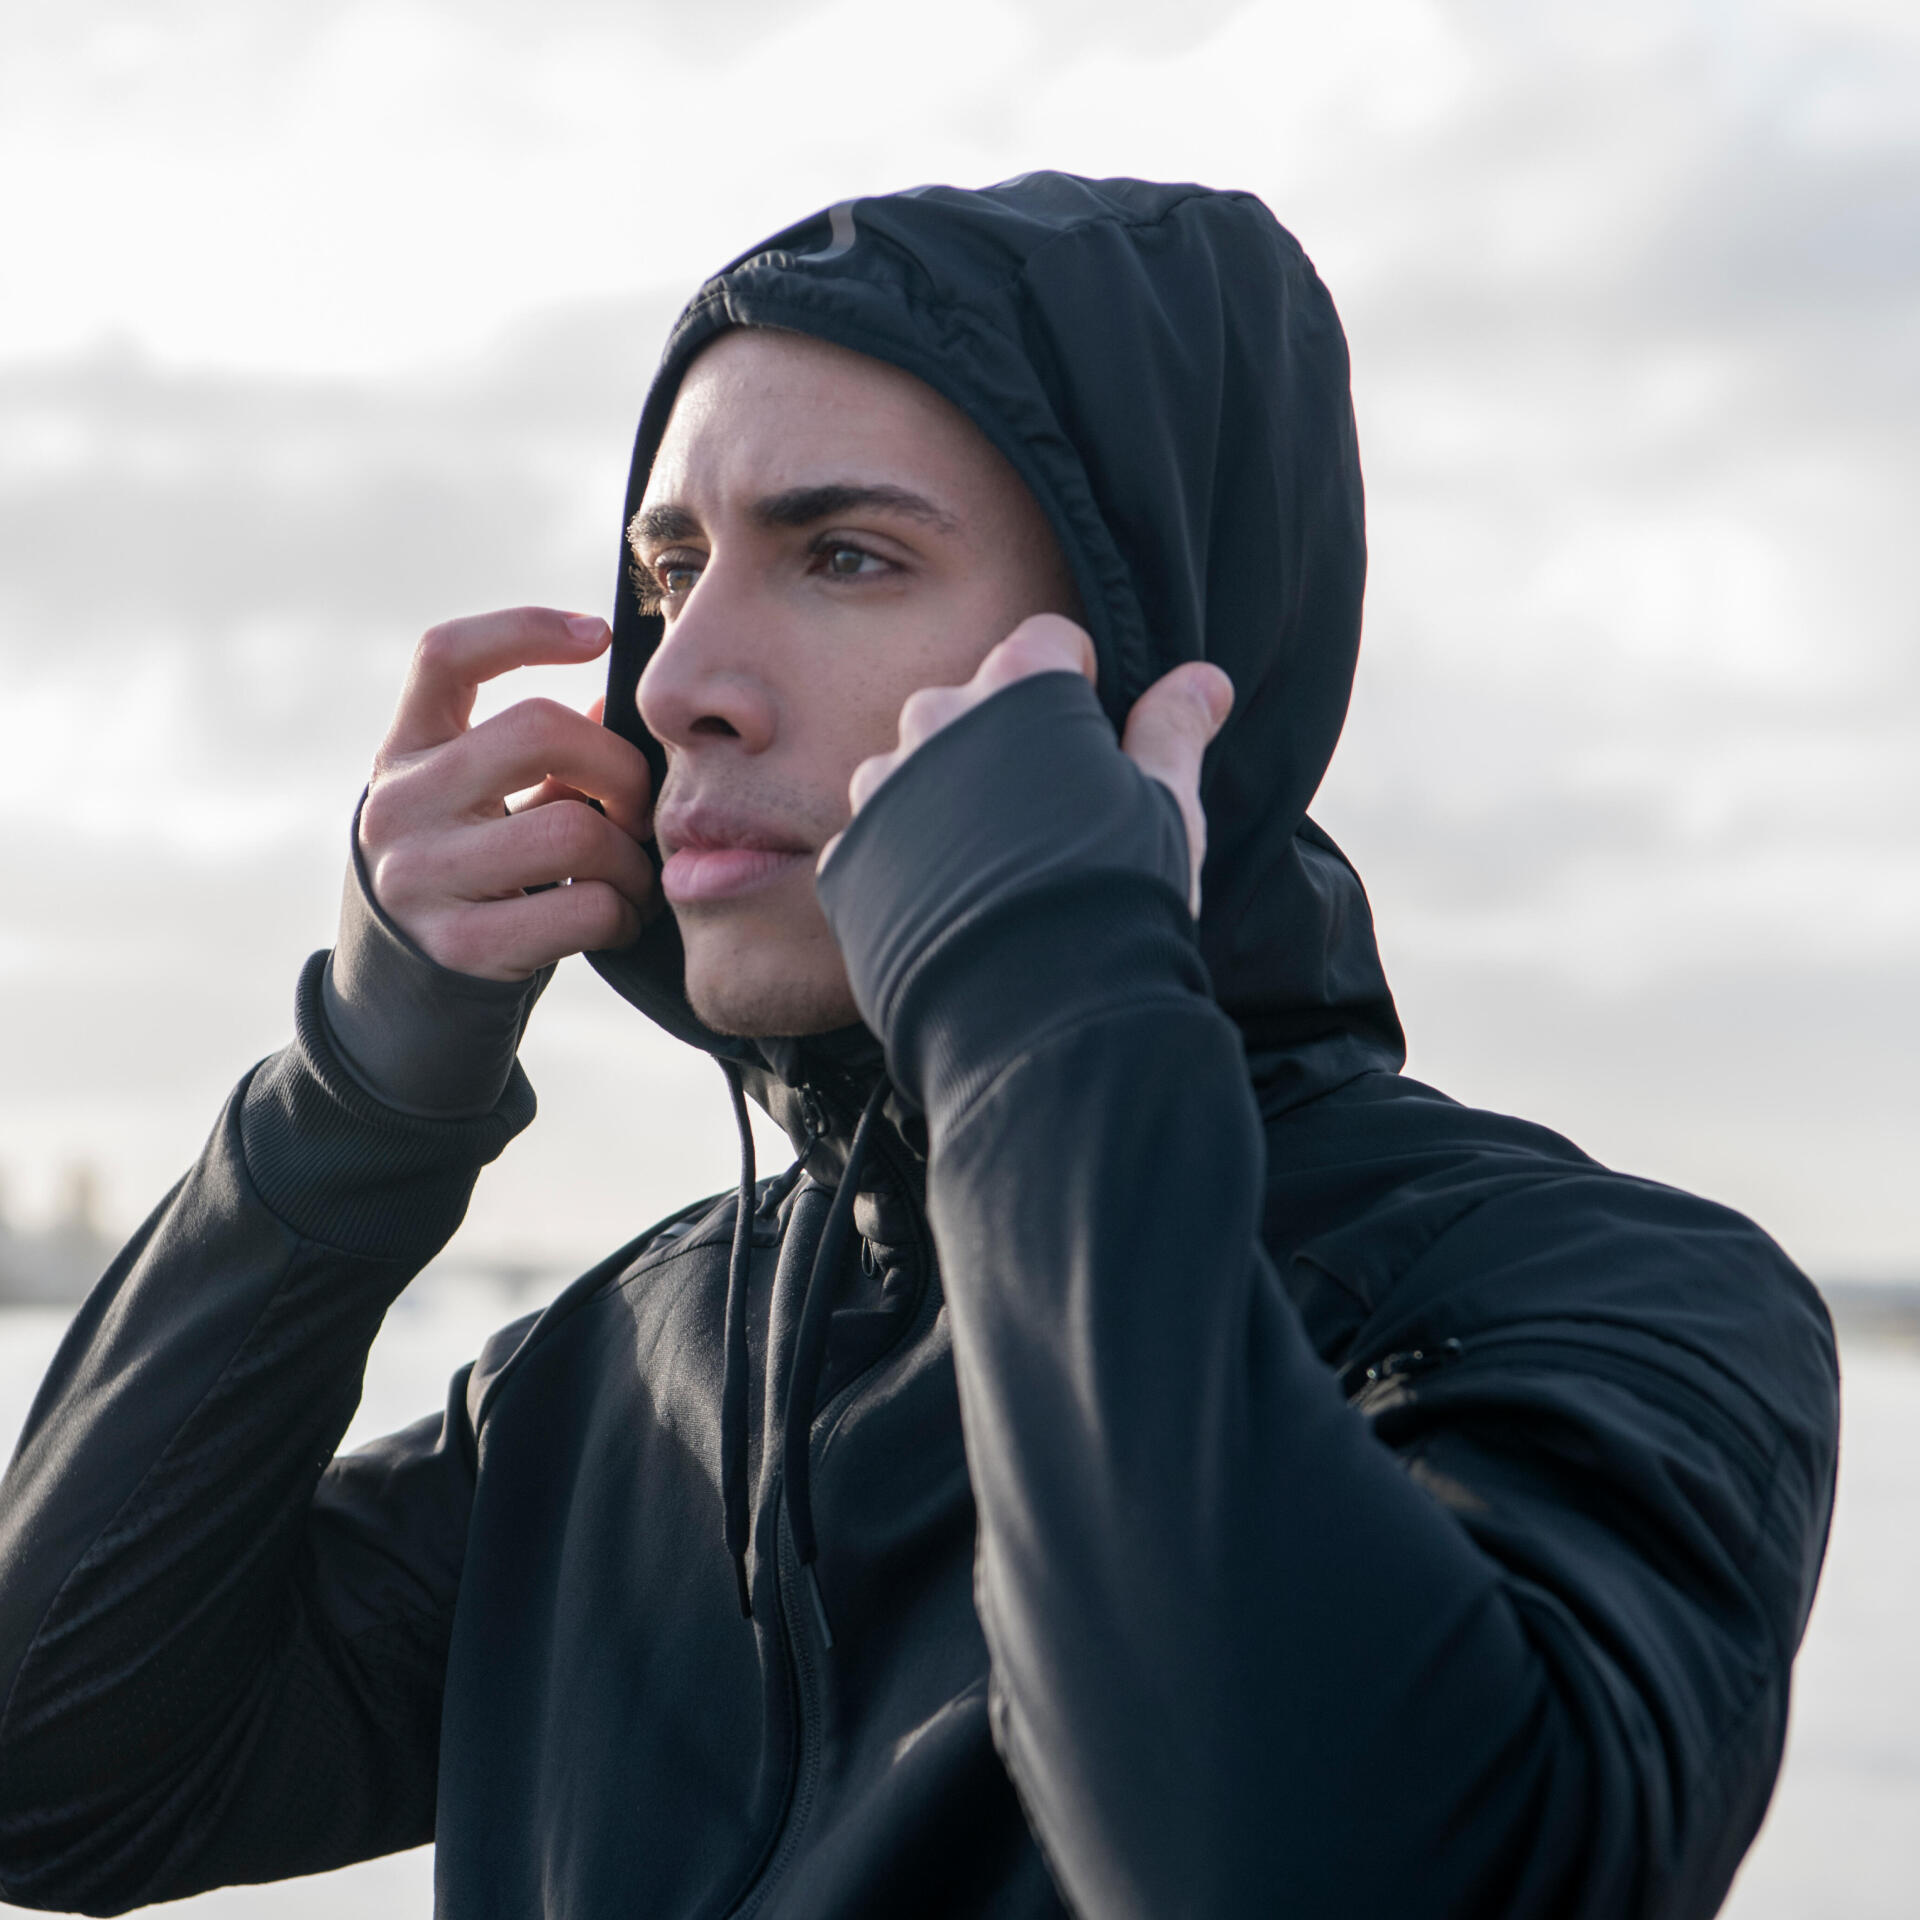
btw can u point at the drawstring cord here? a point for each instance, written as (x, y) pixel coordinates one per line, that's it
(733, 1378)
(809, 1353)
(810, 1349)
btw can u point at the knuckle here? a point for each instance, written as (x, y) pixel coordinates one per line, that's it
(1019, 658)
(459, 942)
(571, 828)
(1179, 733)
(927, 709)
(1198, 703)
(537, 723)
(378, 814)
(438, 645)
(1045, 641)
(397, 873)
(522, 723)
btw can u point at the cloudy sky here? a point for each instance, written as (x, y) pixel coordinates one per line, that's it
(318, 324)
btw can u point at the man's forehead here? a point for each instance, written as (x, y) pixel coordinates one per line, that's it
(782, 356)
(765, 411)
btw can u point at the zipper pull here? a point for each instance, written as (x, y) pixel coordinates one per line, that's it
(1414, 1360)
(1396, 1366)
(816, 1113)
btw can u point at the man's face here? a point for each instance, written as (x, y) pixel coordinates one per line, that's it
(824, 534)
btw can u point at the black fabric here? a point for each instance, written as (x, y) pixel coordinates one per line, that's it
(1496, 1674)
(1242, 1479)
(330, 1158)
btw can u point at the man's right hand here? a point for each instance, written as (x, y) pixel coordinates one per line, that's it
(446, 859)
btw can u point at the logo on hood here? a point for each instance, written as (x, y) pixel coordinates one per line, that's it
(841, 234)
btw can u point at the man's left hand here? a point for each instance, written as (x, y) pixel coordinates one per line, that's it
(1166, 734)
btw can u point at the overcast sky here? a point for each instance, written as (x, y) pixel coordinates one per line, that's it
(320, 324)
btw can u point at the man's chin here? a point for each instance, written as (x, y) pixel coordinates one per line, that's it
(750, 1003)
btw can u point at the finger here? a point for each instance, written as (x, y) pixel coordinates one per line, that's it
(510, 939)
(1173, 722)
(1167, 734)
(551, 790)
(455, 658)
(544, 795)
(1042, 643)
(532, 742)
(868, 775)
(416, 878)
(928, 709)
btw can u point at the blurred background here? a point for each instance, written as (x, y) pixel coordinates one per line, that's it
(320, 324)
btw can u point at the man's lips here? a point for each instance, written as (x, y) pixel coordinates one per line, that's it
(712, 855)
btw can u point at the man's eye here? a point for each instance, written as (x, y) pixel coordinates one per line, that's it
(676, 577)
(846, 562)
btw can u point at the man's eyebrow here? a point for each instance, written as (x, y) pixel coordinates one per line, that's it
(661, 523)
(803, 506)
(797, 507)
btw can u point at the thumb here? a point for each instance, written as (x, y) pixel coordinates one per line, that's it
(1167, 735)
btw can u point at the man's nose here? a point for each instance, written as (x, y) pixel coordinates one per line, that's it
(706, 681)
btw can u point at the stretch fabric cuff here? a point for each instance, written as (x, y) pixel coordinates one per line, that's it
(419, 1037)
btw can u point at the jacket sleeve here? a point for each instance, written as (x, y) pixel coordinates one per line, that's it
(221, 1648)
(1527, 1657)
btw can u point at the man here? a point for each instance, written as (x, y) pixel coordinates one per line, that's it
(1146, 1456)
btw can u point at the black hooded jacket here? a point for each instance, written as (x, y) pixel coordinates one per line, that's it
(1175, 1463)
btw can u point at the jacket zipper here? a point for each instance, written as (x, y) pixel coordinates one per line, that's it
(795, 1643)
(797, 1629)
(1691, 1405)
(795, 1609)
(1644, 1378)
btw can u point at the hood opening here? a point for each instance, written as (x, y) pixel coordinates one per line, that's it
(1165, 371)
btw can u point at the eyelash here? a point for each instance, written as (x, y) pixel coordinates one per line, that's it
(650, 591)
(648, 586)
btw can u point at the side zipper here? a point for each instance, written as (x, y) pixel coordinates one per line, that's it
(1557, 1351)
(1409, 1360)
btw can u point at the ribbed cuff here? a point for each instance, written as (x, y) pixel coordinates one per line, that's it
(993, 988)
(341, 1166)
(417, 1036)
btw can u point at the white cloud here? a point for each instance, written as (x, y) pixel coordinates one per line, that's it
(1632, 292)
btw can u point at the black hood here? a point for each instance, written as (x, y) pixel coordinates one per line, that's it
(1165, 371)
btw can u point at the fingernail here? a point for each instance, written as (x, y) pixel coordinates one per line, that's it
(585, 626)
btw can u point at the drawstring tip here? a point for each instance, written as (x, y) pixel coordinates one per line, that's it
(740, 1581)
(819, 1605)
